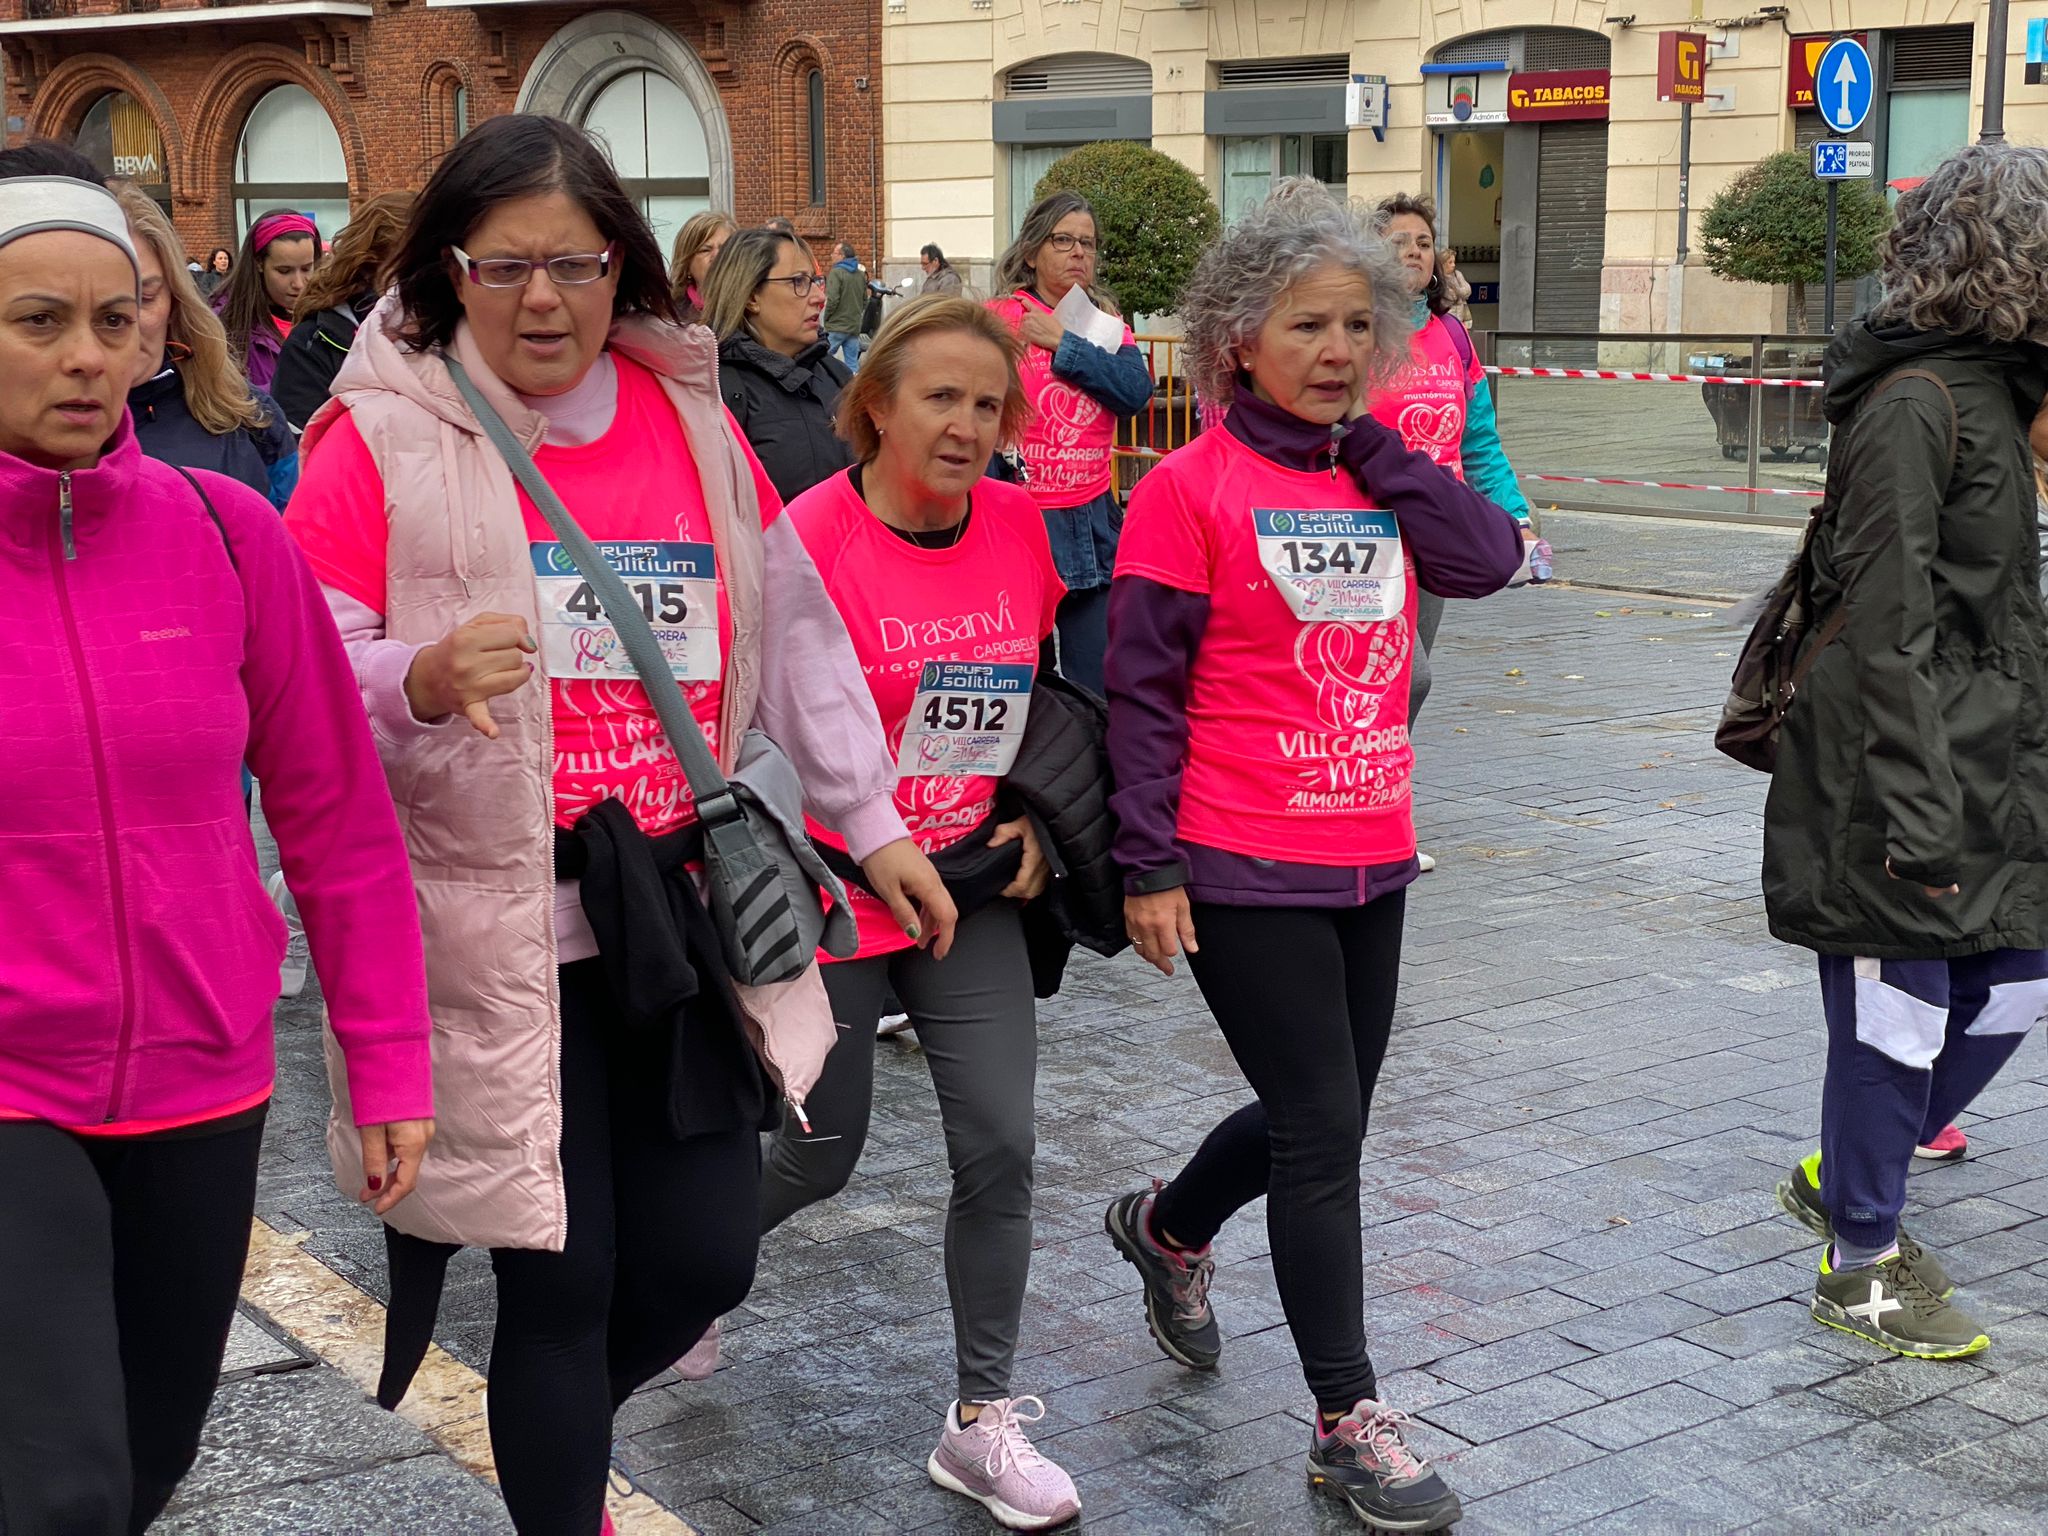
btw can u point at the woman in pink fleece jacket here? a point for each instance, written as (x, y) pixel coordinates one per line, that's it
(161, 628)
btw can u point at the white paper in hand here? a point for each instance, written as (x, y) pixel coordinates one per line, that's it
(1081, 317)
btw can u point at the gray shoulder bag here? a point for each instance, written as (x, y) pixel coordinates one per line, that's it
(764, 876)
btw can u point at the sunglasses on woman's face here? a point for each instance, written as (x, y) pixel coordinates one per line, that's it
(800, 284)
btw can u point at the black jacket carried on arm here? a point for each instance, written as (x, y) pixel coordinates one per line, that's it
(1920, 737)
(784, 406)
(312, 355)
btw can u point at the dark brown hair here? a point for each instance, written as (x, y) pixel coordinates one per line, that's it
(247, 302)
(1423, 207)
(355, 265)
(514, 155)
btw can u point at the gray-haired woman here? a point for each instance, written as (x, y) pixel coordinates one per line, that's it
(1906, 835)
(1262, 626)
(1077, 391)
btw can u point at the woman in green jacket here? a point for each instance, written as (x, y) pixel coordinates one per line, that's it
(1906, 835)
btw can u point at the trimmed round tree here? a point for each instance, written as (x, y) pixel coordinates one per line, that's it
(1770, 225)
(1153, 214)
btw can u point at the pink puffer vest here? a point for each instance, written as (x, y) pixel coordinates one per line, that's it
(479, 814)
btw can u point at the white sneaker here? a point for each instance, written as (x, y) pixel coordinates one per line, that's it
(1427, 861)
(892, 1024)
(291, 974)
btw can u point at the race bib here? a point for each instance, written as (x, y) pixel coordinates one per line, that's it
(1340, 566)
(676, 585)
(967, 720)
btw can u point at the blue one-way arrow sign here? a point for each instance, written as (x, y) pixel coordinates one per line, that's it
(1843, 84)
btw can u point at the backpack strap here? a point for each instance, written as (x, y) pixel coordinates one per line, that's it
(1832, 630)
(206, 501)
(1461, 339)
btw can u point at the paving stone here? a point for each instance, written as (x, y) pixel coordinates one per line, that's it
(1506, 1410)
(1625, 1372)
(1645, 1416)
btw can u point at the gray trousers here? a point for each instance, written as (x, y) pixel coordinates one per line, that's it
(1429, 612)
(978, 1025)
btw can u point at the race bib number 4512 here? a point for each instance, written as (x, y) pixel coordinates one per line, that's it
(1341, 566)
(676, 586)
(967, 719)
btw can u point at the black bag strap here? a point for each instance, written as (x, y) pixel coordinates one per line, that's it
(206, 501)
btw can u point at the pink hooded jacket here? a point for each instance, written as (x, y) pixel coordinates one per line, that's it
(143, 661)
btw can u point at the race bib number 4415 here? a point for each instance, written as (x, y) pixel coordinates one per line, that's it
(676, 586)
(966, 720)
(1341, 566)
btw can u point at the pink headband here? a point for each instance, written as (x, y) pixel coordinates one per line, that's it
(282, 226)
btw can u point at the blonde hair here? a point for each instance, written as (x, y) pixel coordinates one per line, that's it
(886, 362)
(698, 231)
(743, 264)
(215, 391)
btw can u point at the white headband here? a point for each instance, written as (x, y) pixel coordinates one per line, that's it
(31, 205)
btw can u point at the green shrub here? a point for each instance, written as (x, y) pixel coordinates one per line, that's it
(1769, 225)
(1153, 214)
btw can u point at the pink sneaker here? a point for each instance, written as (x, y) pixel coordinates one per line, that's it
(702, 1357)
(1949, 1145)
(992, 1463)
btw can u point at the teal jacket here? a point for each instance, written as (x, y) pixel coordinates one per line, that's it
(1487, 469)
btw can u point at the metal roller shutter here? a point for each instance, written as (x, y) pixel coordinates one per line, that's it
(1571, 229)
(1079, 74)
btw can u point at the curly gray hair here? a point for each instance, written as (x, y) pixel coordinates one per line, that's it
(1241, 279)
(1968, 253)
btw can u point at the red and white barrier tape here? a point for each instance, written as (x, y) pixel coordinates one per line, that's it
(1618, 375)
(1670, 485)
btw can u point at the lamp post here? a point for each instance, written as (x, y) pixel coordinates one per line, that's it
(1994, 74)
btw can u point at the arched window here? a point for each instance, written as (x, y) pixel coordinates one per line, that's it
(121, 139)
(444, 107)
(657, 146)
(814, 91)
(290, 157)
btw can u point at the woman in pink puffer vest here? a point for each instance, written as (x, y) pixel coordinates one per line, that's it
(602, 1078)
(160, 629)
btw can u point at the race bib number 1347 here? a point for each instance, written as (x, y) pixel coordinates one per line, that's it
(1340, 566)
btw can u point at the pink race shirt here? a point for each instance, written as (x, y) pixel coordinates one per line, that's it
(1067, 440)
(636, 482)
(948, 640)
(1428, 402)
(1297, 731)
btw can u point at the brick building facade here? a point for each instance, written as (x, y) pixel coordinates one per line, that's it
(746, 105)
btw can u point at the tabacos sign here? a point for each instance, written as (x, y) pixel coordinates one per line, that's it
(1557, 95)
(1801, 62)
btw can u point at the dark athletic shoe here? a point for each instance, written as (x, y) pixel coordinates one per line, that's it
(1891, 1305)
(1366, 1461)
(1799, 1195)
(1176, 1283)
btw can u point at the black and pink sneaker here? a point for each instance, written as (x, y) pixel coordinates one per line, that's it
(1176, 1283)
(1367, 1461)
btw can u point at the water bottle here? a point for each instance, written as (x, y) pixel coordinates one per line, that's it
(1539, 562)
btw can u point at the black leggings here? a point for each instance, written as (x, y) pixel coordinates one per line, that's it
(120, 1261)
(1305, 997)
(662, 1238)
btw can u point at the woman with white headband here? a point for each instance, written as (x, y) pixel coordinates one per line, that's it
(161, 627)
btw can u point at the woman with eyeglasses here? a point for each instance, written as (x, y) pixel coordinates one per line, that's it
(763, 299)
(602, 1081)
(1077, 392)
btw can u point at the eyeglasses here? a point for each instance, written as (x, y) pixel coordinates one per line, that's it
(800, 284)
(511, 272)
(1064, 242)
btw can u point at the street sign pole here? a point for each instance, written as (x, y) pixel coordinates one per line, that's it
(1684, 174)
(1827, 303)
(1994, 75)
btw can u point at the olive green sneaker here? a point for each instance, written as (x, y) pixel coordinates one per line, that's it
(1890, 1305)
(1799, 1195)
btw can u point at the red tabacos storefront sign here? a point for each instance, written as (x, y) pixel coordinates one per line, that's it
(1556, 95)
(1803, 59)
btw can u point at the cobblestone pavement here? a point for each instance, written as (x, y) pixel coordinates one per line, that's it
(1577, 1279)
